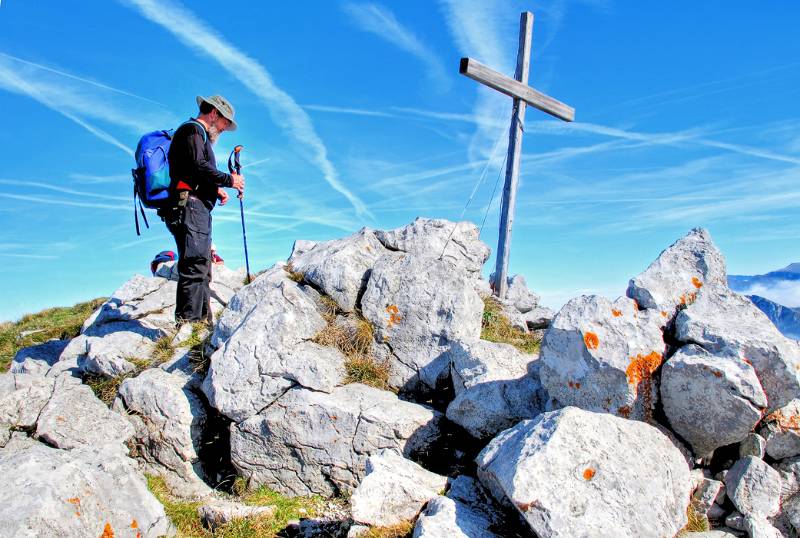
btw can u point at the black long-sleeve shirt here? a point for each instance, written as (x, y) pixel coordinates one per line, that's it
(192, 161)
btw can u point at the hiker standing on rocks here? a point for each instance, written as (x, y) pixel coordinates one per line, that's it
(197, 184)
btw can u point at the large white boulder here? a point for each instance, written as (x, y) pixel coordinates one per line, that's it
(679, 272)
(710, 401)
(85, 491)
(577, 473)
(725, 323)
(456, 243)
(418, 306)
(601, 355)
(495, 387)
(269, 349)
(340, 268)
(310, 442)
(74, 416)
(168, 419)
(393, 490)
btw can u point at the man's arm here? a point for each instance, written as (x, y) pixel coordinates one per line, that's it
(203, 171)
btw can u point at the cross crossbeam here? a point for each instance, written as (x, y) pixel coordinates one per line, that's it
(523, 95)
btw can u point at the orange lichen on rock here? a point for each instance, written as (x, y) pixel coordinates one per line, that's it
(616, 313)
(635, 305)
(588, 474)
(641, 367)
(624, 411)
(591, 340)
(663, 314)
(108, 532)
(134, 524)
(696, 282)
(784, 422)
(75, 501)
(394, 316)
(747, 361)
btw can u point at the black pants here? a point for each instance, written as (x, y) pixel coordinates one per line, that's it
(192, 235)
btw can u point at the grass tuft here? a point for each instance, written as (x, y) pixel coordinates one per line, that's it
(32, 329)
(105, 388)
(163, 349)
(188, 524)
(297, 276)
(354, 339)
(401, 530)
(697, 522)
(496, 327)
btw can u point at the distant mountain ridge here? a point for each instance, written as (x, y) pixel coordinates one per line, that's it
(786, 319)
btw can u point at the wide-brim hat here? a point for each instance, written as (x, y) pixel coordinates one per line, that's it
(222, 105)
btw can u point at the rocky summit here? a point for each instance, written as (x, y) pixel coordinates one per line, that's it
(377, 375)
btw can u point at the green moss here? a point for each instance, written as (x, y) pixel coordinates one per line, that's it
(496, 327)
(59, 322)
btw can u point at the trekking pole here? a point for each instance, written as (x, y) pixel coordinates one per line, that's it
(235, 166)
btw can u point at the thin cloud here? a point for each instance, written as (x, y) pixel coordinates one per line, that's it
(196, 34)
(381, 21)
(79, 79)
(61, 201)
(344, 110)
(14, 83)
(48, 186)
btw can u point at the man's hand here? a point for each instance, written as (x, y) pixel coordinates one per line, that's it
(238, 184)
(222, 196)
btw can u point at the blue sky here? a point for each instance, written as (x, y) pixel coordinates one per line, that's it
(353, 114)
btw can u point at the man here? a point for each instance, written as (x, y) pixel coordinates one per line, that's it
(198, 185)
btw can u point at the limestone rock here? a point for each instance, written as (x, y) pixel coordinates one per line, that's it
(754, 487)
(706, 494)
(311, 442)
(38, 359)
(519, 295)
(393, 490)
(716, 322)
(466, 512)
(791, 509)
(601, 356)
(300, 247)
(495, 385)
(340, 268)
(168, 419)
(418, 306)
(679, 271)
(753, 445)
(710, 401)
(22, 398)
(139, 297)
(539, 317)
(269, 350)
(74, 416)
(577, 473)
(782, 431)
(218, 512)
(429, 238)
(79, 492)
(758, 527)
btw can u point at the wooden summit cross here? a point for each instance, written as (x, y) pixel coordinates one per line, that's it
(523, 95)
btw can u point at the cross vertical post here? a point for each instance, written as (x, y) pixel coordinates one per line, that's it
(523, 95)
(514, 152)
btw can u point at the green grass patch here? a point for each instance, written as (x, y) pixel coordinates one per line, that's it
(496, 327)
(188, 524)
(31, 329)
(163, 349)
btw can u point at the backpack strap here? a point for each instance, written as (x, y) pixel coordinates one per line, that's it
(141, 209)
(202, 129)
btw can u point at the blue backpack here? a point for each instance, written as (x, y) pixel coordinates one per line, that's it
(151, 176)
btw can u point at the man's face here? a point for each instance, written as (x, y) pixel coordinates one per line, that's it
(218, 125)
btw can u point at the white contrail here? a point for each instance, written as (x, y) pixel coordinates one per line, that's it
(284, 110)
(14, 83)
(80, 79)
(381, 21)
